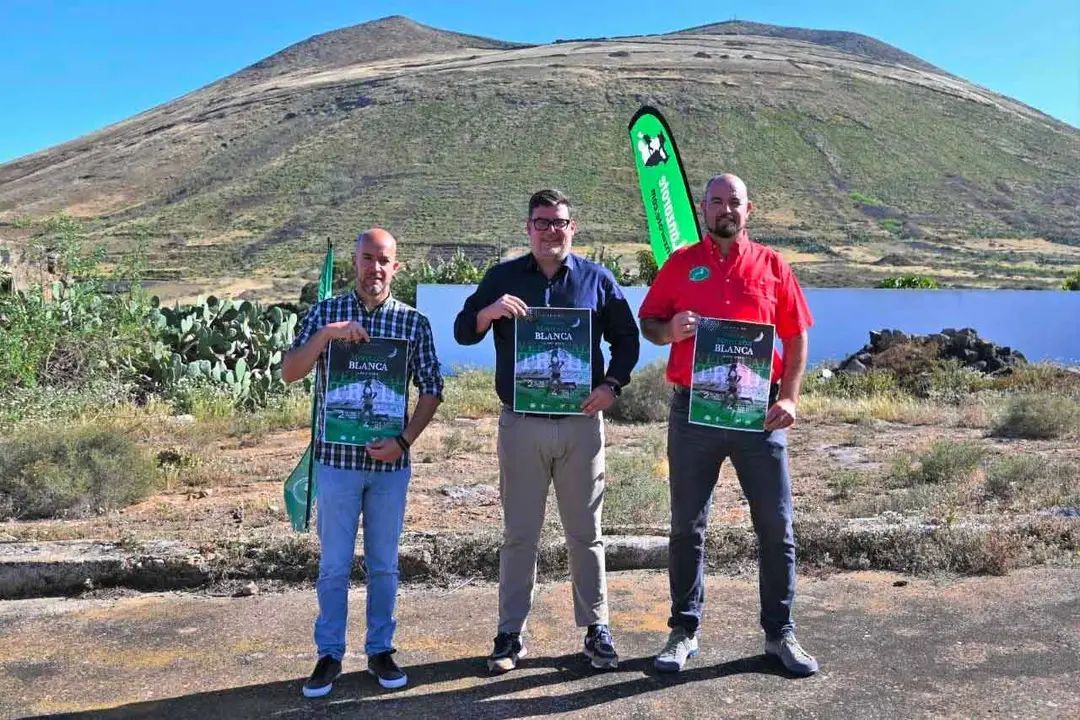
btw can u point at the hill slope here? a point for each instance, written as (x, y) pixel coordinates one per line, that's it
(862, 160)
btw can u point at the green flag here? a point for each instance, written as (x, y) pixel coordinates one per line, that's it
(669, 206)
(300, 485)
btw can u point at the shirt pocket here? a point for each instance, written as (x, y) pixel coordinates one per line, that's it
(760, 288)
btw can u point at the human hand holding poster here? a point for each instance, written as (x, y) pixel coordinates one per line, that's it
(732, 374)
(552, 360)
(366, 390)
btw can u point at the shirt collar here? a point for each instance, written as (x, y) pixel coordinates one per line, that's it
(737, 247)
(360, 302)
(570, 262)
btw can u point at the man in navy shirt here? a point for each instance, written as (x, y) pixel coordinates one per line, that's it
(536, 450)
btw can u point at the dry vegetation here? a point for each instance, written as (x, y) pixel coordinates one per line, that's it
(861, 450)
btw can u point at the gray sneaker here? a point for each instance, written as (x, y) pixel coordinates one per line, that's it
(787, 650)
(681, 645)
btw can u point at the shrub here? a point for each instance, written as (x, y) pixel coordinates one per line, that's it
(647, 268)
(909, 282)
(1072, 282)
(69, 332)
(1010, 476)
(849, 386)
(612, 262)
(946, 462)
(646, 399)
(62, 471)
(469, 393)
(1039, 417)
(864, 199)
(458, 442)
(844, 482)
(458, 270)
(636, 490)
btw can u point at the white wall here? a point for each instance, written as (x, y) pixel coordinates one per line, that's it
(1042, 324)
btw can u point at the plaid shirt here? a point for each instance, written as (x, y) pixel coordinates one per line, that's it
(392, 319)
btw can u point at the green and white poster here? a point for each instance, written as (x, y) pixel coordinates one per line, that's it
(366, 390)
(669, 206)
(552, 360)
(732, 374)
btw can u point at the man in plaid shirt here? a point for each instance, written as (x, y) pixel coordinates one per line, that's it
(368, 481)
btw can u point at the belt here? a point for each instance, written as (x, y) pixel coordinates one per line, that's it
(542, 416)
(774, 391)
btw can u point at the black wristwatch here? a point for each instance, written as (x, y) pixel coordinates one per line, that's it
(614, 385)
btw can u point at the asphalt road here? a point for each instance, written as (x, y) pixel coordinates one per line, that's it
(889, 647)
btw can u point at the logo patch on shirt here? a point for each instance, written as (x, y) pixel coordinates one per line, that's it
(699, 273)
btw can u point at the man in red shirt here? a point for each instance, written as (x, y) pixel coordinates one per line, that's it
(729, 276)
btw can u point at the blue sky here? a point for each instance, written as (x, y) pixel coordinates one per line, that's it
(68, 68)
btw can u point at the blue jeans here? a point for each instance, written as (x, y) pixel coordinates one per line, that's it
(342, 497)
(695, 453)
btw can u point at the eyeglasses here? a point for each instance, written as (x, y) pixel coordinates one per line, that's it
(553, 224)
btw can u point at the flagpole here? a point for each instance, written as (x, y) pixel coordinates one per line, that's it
(314, 418)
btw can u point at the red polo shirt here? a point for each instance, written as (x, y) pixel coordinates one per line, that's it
(753, 284)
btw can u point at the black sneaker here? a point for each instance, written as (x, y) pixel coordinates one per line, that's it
(600, 648)
(383, 667)
(322, 678)
(508, 650)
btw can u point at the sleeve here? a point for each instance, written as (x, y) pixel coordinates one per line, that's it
(425, 371)
(465, 322)
(620, 330)
(792, 313)
(659, 301)
(311, 324)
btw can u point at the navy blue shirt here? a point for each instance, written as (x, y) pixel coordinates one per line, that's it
(579, 283)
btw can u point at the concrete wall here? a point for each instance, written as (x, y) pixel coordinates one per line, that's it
(1042, 324)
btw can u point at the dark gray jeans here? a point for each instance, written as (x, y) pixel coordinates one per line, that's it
(695, 453)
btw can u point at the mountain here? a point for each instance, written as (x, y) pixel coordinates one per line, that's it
(863, 161)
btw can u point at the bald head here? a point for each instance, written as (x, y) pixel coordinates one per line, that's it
(730, 182)
(726, 206)
(379, 238)
(375, 261)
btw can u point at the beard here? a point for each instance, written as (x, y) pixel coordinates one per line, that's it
(374, 287)
(725, 228)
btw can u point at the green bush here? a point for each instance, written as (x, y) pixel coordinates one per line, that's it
(1039, 417)
(946, 462)
(469, 393)
(68, 332)
(952, 382)
(864, 199)
(646, 399)
(60, 471)
(612, 262)
(65, 334)
(845, 481)
(647, 267)
(909, 282)
(458, 270)
(1072, 282)
(851, 386)
(42, 404)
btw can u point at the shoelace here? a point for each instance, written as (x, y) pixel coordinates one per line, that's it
(603, 637)
(795, 648)
(674, 642)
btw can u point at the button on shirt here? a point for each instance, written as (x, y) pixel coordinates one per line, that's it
(579, 283)
(391, 319)
(753, 284)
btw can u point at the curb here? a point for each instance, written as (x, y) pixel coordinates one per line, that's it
(43, 569)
